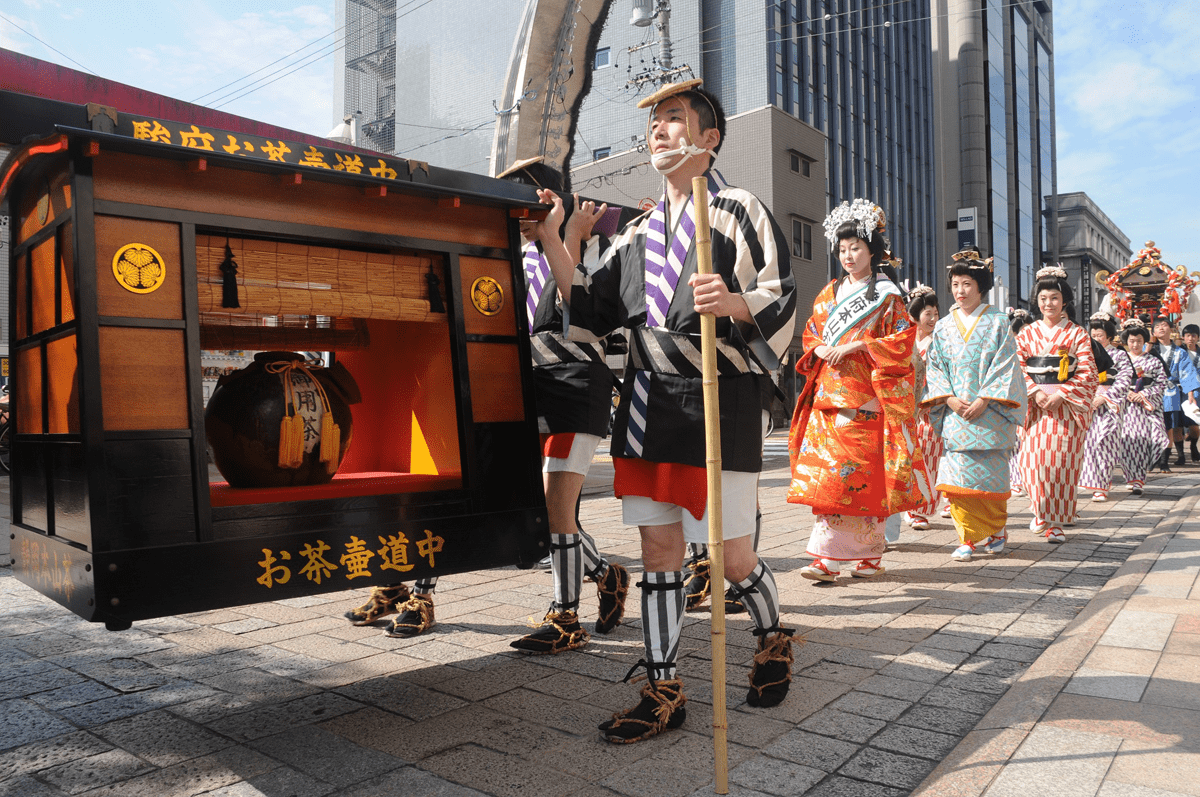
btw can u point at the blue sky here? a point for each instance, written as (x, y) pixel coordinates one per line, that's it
(1127, 84)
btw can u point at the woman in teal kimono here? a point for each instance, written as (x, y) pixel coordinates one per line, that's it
(977, 397)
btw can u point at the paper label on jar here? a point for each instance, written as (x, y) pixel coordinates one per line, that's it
(308, 406)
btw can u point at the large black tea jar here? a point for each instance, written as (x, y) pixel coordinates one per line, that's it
(281, 421)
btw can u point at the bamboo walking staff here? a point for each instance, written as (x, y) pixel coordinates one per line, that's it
(712, 446)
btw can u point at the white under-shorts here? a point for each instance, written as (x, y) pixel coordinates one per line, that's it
(739, 507)
(583, 448)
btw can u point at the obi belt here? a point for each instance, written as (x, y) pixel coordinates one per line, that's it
(1051, 369)
(663, 352)
(549, 348)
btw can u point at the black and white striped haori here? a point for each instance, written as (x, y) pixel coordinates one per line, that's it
(572, 382)
(662, 387)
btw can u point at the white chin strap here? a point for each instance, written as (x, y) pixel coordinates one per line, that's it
(659, 159)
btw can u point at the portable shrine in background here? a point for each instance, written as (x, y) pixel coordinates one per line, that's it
(387, 291)
(1147, 287)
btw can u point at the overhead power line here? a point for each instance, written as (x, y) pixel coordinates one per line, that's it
(46, 45)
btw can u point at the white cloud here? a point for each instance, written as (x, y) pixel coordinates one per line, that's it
(1125, 92)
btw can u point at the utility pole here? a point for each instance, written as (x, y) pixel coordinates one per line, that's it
(646, 12)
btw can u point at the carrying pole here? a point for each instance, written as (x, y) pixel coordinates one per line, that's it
(712, 447)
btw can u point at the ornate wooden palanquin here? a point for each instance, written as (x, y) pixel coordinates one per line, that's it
(408, 274)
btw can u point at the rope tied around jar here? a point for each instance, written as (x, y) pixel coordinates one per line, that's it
(291, 426)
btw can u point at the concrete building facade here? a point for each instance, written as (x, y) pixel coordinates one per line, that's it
(859, 73)
(1089, 242)
(994, 102)
(424, 78)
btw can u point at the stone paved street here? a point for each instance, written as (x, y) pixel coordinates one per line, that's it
(932, 675)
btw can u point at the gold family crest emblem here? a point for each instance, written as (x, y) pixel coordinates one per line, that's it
(487, 295)
(139, 268)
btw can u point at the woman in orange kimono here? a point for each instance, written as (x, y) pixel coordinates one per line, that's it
(853, 443)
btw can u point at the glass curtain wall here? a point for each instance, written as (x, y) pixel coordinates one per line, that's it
(867, 87)
(998, 148)
(1028, 257)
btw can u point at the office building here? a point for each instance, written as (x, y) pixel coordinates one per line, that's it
(994, 101)
(858, 72)
(1089, 242)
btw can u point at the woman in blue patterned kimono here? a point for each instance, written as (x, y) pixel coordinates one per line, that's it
(977, 397)
(1143, 435)
(1102, 448)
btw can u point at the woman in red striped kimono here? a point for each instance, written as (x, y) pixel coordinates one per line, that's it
(923, 307)
(1060, 375)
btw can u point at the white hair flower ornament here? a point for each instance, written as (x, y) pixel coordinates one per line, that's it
(868, 219)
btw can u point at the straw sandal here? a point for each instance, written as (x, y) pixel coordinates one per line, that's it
(381, 603)
(557, 632)
(771, 675)
(697, 584)
(416, 617)
(612, 590)
(660, 709)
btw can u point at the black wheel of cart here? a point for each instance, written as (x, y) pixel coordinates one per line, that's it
(5, 444)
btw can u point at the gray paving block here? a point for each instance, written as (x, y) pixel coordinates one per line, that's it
(99, 712)
(74, 695)
(271, 719)
(848, 787)
(938, 718)
(899, 688)
(286, 780)
(327, 756)
(1007, 670)
(773, 776)
(44, 754)
(917, 742)
(31, 677)
(890, 769)
(409, 782)
(22, 722)
(162, 738)
(95, 771)
(735, 790)
(972, 702)
(1010, 651)
(867, 659)
(871, 705)
(812, 750)
(28, 787)
(832, 671)
(978, 682)
(841, 725)
(945, 641)
(402, 697)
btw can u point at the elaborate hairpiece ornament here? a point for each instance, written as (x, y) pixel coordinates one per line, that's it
(919, 291)
(1058, 272)
(890, 259)
(972, 259)
(1100, 315)
(1133, 323)
(1018, 312)
(868, 219)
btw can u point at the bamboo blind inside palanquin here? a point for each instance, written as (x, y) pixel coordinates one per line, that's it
(282, 279)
